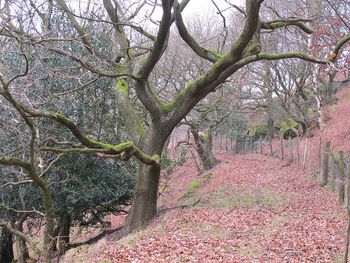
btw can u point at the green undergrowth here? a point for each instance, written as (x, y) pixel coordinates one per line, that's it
(224, 197)
(194, 185)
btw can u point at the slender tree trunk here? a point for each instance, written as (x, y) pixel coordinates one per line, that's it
(6, 246)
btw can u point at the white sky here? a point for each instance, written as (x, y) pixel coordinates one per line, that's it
(204, 6)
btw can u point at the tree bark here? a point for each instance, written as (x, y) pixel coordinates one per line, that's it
(6, 246)
(21, 245)
(64, 224)
(144, 207)
(204, 147)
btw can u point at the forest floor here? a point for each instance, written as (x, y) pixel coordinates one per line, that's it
(249, 208)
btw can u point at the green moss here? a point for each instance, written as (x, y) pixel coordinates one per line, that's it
(140, 130)
(131, 242)
(287, 125)
(155, 157)
(206, 136)
(122, 86)
(257, 131)
(215, 54)
(168, 107)
(143, 60)
(277, 24)
(193, 186)
(61, 117)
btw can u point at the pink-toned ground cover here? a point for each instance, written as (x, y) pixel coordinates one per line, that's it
(252, 209)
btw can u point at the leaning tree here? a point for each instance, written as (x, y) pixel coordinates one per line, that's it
(134, 48)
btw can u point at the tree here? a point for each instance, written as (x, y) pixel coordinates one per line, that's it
(128, 60)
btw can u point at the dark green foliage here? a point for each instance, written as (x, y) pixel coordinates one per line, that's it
(91, 186)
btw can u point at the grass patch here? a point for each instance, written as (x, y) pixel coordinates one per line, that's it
(193, 186)
(253, 198)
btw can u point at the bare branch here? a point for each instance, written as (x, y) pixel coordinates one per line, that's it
(283, 23)
(200, 51)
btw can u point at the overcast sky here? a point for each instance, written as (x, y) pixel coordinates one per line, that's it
(203, 6)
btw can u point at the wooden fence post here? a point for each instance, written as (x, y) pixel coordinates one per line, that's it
(282, 150)
(243, 151)
(290, 150)
(325, 166)
(305, 152)
(347, 240)
(341, 190)
(270, 142)
(320, 154)
(332, 169)
(251, 144)
(297, 150)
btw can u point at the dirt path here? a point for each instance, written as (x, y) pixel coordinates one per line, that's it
(251, 210)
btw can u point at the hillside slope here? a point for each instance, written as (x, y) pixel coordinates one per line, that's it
(249, 208)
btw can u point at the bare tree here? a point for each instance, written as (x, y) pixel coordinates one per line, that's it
(135, 47)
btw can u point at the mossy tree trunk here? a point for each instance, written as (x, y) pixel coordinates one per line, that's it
(133, 67)
(144, 207)
(204, 148)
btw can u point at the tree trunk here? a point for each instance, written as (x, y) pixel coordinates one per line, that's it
(21, 245)
(6, 246)
(64, 224)
(144, 206)
(204, 147)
